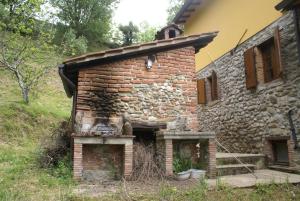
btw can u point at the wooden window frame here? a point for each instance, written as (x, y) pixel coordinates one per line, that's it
(267, 50)
(202, 89)
(273, 46)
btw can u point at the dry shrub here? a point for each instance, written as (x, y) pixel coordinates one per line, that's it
(56, 147)
(146, 163)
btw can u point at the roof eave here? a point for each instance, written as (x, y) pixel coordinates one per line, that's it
(183, 9)
(198, 43)
(286, 5)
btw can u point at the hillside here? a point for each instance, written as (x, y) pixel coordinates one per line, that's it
(22, 129)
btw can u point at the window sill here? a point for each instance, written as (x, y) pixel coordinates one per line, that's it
(210, 103)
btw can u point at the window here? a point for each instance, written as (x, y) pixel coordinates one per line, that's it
(172, 33)
(267, 50)
(263, 63)
(207, 89)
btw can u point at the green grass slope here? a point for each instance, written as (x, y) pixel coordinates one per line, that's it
(22, 129)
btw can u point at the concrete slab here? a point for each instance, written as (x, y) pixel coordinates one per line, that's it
(237, 155)
(264, 176)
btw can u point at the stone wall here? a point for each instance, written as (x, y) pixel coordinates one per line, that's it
(165, 93)
(243, 118)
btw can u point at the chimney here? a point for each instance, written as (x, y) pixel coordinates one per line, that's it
(170, 31)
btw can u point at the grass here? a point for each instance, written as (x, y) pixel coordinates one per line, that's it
(22, 128)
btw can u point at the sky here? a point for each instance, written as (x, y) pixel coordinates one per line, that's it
(152, 11)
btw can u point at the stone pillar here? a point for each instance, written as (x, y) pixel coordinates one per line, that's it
(128, 159)
(169, 157)
(212, 150)
(77, 161)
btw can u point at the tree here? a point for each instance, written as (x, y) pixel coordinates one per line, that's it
(146, 33)
(25, 43)
(174, 7)
(88, 18)
(73, 46)
(19, 15)
(129, 33)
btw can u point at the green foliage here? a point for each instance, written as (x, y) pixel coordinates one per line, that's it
(25, 43)
(181, 164)
(168, 192)
(73, 45)
(19, 15)
(88, 18)
(146, 33)
(63, 170)
(129, 33)
(199, 192)
(174, 7)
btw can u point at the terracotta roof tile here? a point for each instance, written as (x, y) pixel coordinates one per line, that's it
(200, 39)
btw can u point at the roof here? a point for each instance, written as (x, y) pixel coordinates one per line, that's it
(70, 67)
(186, 11)
(198, 41)
(287, 5)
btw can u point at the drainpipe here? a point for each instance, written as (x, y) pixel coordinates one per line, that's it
(69, 86)
(70, 90)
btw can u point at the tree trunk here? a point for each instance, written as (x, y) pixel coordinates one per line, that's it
(23, 86)
(25, 94)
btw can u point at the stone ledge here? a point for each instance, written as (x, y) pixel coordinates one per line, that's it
(184, 135)
(119, 140)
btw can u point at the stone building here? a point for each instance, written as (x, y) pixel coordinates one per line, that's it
(250, 94)
(143, 92)
(246, 101)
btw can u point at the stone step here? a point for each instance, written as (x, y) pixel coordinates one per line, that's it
(234, 169)
(284, 169)
(230, 158)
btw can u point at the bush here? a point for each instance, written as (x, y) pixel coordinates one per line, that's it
(74, 46)
(57, 147)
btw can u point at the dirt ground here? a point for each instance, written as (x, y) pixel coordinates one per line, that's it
(134, 187)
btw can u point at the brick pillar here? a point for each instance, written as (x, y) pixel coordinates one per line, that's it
(169, 157)
(212, 150)
(77, 161)
(128, 159)
(290, 145)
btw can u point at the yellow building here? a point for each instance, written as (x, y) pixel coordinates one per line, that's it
(236, 21)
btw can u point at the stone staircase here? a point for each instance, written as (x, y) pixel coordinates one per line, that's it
(227, 164)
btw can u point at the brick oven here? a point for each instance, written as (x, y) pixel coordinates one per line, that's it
(141, 92)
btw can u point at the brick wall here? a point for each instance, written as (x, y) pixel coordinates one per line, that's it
(105, 157)
(164, 93)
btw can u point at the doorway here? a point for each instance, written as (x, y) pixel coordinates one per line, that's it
(280, 152)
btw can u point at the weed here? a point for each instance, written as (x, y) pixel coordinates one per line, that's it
(167, 192)
(181, 164)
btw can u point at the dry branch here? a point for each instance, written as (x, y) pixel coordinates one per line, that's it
(146, 163)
